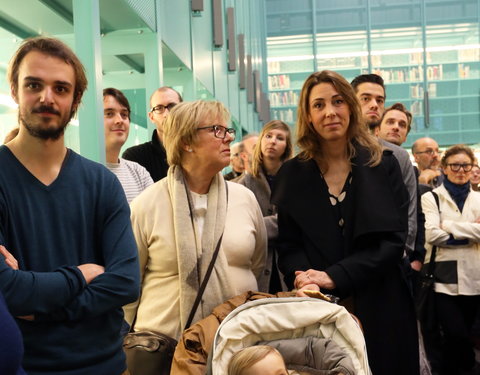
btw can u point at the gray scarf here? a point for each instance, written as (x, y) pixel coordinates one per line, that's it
(193, 257)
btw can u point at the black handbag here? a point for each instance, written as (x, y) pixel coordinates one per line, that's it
(425, 298)
(151, 353)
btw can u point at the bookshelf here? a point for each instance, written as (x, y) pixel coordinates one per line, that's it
(433, 69)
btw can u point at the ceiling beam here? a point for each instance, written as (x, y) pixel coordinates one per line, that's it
(59, 9)
(131, 63)
(15, 27)
(67, 15)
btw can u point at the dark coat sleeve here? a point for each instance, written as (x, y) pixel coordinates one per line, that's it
(291, 254)
(419, 250)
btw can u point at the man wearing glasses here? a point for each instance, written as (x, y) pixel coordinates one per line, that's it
(427, 156)
(152, 155)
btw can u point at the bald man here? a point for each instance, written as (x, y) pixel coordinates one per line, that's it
(427, 156)
(151, 155)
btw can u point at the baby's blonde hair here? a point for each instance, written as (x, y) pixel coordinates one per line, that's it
(247, 357)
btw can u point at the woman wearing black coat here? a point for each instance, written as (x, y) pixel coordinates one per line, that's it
(342, 218)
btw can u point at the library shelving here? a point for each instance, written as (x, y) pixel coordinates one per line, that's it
(429, 62)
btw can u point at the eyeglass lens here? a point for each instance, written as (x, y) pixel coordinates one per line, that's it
(161, 108)
(430, 152)
(221, 131)
(456, 167)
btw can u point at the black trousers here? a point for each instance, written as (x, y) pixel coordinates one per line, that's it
(456, 316)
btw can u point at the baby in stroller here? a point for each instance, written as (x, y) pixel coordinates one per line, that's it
(314, 336)
(266, 360)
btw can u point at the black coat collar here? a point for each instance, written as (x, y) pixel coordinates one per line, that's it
(370, 204)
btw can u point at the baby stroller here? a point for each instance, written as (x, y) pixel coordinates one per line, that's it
(279, 321)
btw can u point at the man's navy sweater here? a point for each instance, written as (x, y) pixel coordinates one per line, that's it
(81, 217)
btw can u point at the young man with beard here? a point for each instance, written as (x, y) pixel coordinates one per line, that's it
(370, 91)
(69, 257)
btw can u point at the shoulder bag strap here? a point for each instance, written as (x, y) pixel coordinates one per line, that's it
(431, 265)
(207, 276)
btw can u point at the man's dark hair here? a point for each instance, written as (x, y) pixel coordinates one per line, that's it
(50, 47)
(367, 78)
(119, 97)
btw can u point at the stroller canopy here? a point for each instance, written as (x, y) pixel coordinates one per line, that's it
(273, 319)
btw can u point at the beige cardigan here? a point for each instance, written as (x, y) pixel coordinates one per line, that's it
(244, 244)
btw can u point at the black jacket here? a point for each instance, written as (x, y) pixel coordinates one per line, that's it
(151, 155)
(369, 269)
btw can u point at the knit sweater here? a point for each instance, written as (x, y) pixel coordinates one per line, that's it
(133, 177)
(81, 217)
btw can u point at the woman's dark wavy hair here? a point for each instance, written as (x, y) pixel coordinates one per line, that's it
(457, 149)
(308, 139)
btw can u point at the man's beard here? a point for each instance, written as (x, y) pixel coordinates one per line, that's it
(34, 125)
(372, 124)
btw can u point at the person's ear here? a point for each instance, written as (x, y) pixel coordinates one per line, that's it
(309, 118)
(187, 148)
(150, 115)
(13, 93)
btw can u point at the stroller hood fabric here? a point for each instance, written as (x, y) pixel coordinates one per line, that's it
(314, 356)
(284, 319)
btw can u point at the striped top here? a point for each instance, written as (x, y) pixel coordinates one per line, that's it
(133, 177)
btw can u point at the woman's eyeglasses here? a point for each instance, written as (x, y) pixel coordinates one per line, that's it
(220, 131)
(455, 167)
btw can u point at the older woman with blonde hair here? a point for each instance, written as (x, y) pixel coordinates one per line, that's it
(342, 220)
(179, 221)
(273, 148)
